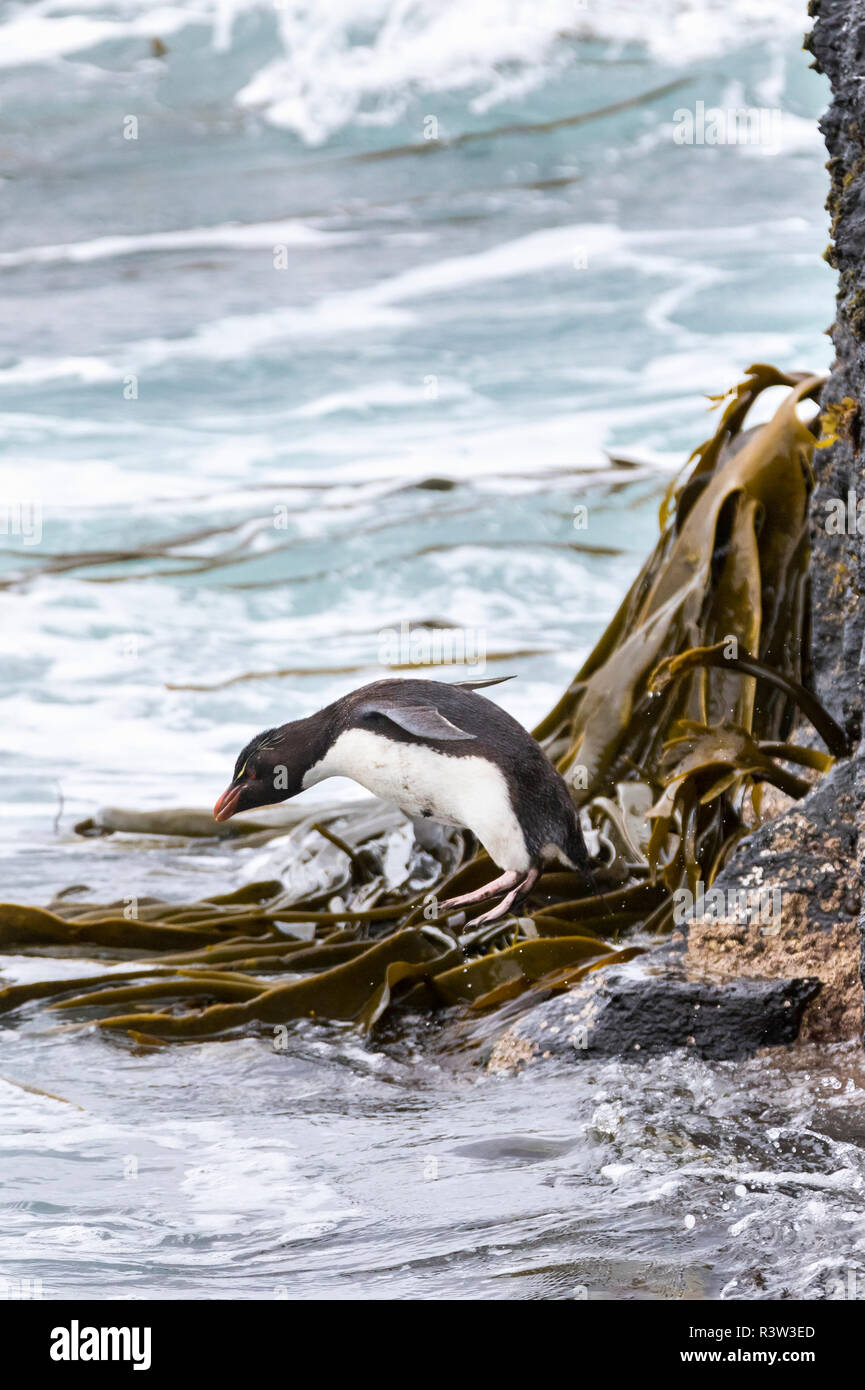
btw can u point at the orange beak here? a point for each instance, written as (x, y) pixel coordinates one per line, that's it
(227, 803)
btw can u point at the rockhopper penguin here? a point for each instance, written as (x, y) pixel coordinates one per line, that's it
(436, 750)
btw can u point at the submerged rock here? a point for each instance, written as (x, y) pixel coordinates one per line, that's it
(639, 1010)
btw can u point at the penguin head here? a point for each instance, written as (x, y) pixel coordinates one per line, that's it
(269, 769)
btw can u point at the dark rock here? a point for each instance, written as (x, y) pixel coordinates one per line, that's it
(803, 864)
(636, 1012)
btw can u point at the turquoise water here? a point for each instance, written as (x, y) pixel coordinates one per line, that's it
(389, 383)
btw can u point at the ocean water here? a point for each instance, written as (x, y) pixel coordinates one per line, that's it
(249, 306)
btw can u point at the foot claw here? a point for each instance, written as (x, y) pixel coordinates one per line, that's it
(515, 897)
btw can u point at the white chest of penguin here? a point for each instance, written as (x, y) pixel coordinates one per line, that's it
(464, 791)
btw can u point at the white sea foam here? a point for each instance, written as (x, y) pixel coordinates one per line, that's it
(362, 61)
(226, 1188)
(240, 236)
(324, 76)
(387, 303)
(44, 32)
(377, 305)
(390, 394)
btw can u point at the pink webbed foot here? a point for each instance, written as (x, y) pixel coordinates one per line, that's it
(517, 895)
(482, 895)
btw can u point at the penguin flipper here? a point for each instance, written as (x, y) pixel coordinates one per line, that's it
(424, 721)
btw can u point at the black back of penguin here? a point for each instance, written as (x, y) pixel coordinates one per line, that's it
(538, 794)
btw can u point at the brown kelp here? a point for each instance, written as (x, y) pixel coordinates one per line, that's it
(471, 137)
(258, 538)
(667, 736)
